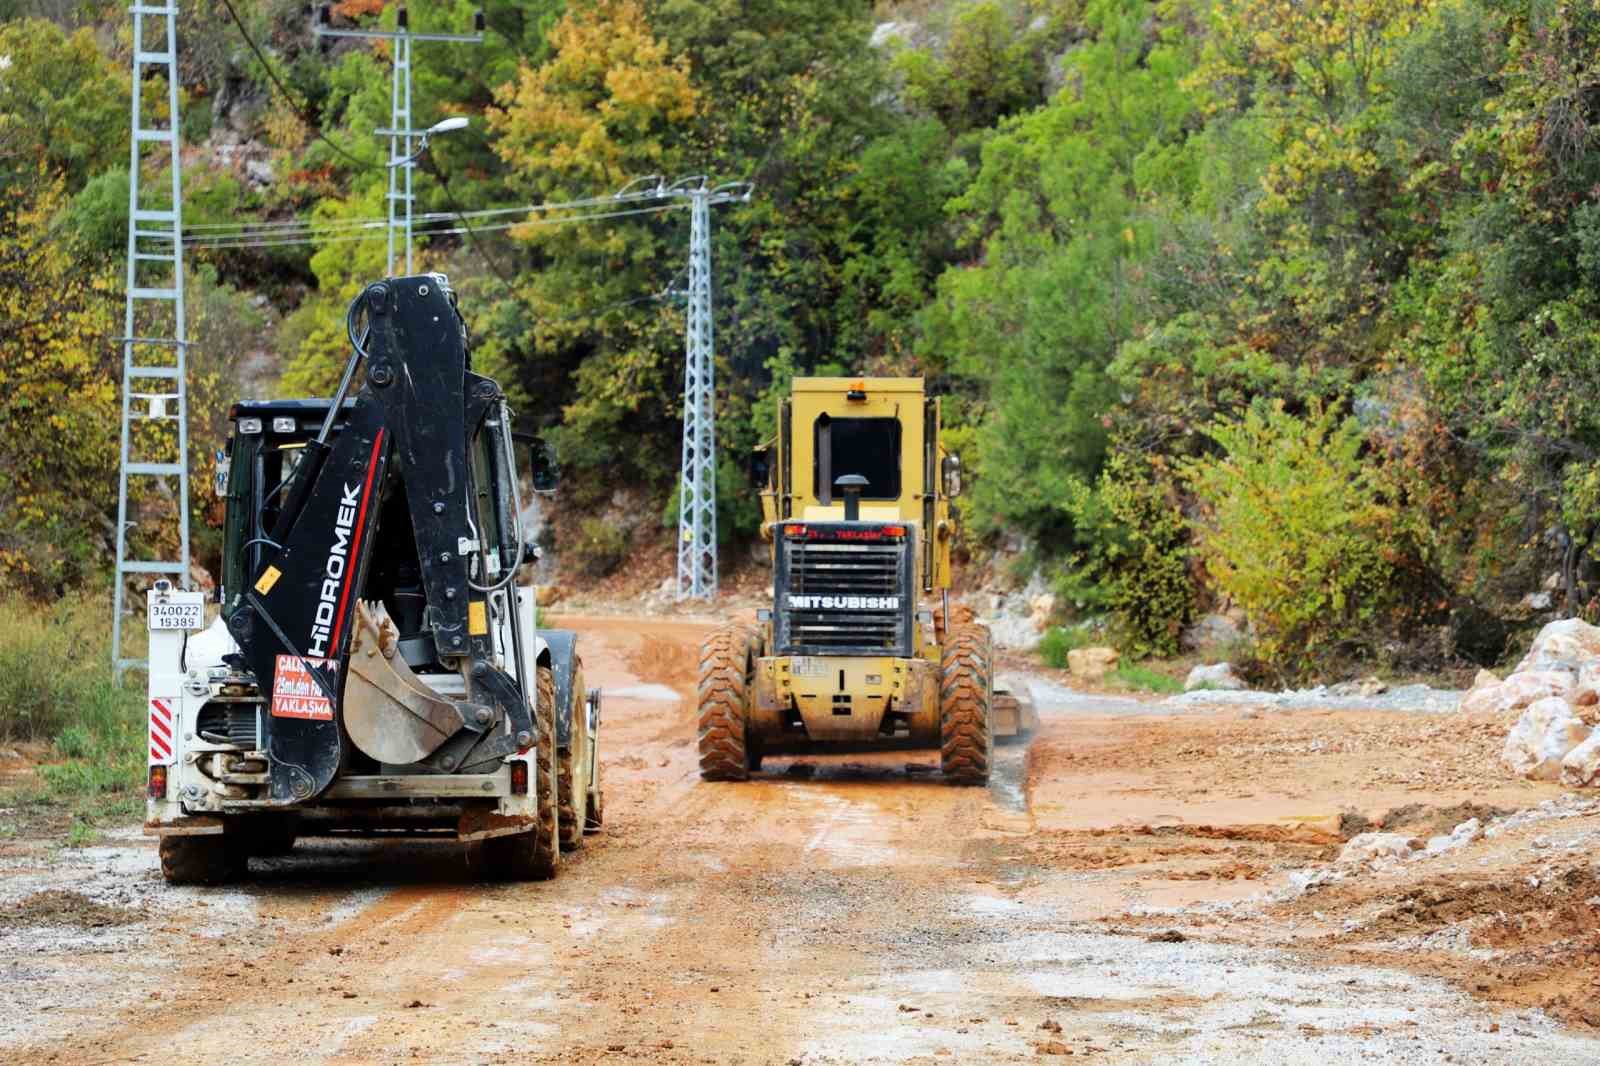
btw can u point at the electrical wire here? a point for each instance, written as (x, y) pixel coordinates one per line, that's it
(224, 243)
(488, 212)
(303, 112)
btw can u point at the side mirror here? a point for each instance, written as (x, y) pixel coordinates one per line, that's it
(950, 470)
(542, 461)
(760, 470)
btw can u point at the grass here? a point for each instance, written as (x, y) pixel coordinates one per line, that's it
(56, 688)
(1057, 642)
(1132, 675)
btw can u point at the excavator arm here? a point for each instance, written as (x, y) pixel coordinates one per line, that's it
(380, 562)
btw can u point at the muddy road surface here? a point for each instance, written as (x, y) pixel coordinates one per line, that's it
(1150, 885)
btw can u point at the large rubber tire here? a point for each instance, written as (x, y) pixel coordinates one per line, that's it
(966, 696)
(727, 676)
(572, 765)
(202, 860)
(536, 855)
(272, 836)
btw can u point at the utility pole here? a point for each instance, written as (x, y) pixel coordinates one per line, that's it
(402, 160)
(697, 494)
(154, 331)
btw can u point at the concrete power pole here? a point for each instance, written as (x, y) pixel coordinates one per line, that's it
(154, 340)
(402, 159)
(697, 495)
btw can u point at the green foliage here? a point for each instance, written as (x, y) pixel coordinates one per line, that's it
(56, 685)
(1137, 565)
(63, 104)
(599, 548)
(1057, 642)
(1298, 530)
(1145, 679)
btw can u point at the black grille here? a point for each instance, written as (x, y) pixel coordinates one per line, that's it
(228, 723)
(842, 596)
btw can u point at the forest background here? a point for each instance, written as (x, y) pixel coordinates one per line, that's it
(1281, 306)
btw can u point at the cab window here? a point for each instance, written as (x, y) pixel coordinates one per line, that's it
(866, 446)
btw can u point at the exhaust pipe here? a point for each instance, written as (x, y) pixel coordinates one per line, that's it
(852, 486)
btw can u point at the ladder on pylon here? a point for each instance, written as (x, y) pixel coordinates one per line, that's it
(155, 430)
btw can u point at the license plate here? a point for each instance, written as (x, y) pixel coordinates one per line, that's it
(177, 615)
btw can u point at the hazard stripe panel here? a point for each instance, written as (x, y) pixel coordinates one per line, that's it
(161, 727)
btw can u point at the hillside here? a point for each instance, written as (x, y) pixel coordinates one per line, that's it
(1283, 306)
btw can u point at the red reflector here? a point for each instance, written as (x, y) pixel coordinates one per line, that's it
(519, 779)
(157, 788)
(796, 532)
(894, 531)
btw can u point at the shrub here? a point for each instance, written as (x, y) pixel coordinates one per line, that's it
(1057, 642)
(1134, 676)
(1138, 563)
(1299, 530)
(600, 547)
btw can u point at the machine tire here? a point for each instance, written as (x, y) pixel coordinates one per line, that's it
(966, 692)
(727, 673)
(202, 860)
(274, 836)
(536, 855)
(571, 799)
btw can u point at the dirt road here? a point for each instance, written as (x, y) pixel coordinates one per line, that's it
(1132, 889)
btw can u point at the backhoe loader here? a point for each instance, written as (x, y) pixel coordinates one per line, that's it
(375, 666)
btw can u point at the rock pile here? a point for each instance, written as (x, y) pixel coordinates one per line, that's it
(1559, 675)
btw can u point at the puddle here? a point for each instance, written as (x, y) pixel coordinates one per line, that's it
(649, 693)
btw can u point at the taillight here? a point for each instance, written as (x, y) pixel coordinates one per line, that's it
(519, 779)
(157, 786)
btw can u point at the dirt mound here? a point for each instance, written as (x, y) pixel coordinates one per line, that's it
(1420, 819)
(58, 907)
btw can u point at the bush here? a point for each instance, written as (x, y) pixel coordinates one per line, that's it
(1299, 531)
(1057, 642)
(600, 548)
(1138, 564)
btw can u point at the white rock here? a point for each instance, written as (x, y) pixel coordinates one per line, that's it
(884, 32)
(1567, 644)
(1459, 837)
(259, 172)
(1536, 601)
(1215, 676)
(1586, 693)
(1542, 737)
(1014, 632)
(1580, 768)
(1485, 678)
(1368, 848)
(1518, 691)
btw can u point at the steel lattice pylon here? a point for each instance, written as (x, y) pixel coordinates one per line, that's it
(154, 340)
(697, 497)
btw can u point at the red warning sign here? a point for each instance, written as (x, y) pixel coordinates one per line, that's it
(296, 694)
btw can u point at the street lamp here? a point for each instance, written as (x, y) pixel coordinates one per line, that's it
(405, 164)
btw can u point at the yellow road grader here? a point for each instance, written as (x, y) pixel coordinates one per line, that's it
(859, 650)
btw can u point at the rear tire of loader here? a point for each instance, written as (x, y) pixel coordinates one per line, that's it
(727, 675)
(202, 860)
(966, 697)
(534, 856)
(574, 793)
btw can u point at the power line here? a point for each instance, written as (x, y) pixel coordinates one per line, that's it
(274, 242)
(283, 92)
